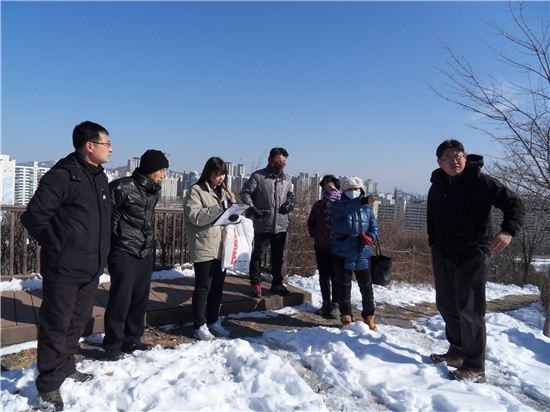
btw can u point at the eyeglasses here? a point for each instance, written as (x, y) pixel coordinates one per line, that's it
(106, 144)
(456, 157)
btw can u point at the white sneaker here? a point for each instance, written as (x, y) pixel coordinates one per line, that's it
(203, 333)
(218, 330)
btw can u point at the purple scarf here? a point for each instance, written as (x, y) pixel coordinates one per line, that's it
(330, 195)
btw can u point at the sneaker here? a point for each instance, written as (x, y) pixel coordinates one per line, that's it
(471, 375)
(280, 290)
(203, 333)
(81, 376)
(112, 355)
(218, 330)
(257, 290)
(51, 401)
(129, 347)
(451, 360)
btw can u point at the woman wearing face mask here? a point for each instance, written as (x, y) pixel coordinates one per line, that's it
(319, 224)
(355, 233)
(204, 203)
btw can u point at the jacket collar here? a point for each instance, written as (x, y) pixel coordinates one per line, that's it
(147, 184)
(474, 163)
(269, 171)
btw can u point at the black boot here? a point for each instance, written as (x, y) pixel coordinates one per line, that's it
(81, 376)
(51, 401)
(326, 308)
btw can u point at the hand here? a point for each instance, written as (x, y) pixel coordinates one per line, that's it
(257, 212)
(286, 207)
(233, 218)
(500, 242)
(370, 199)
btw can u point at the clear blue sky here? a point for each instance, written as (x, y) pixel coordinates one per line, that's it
(343, 86)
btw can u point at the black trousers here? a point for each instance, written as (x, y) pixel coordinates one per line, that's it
(327, 274)
(261, 242)
(207, 295)
(128, 297)
(364, 281)
(460, 298)
(66, 309)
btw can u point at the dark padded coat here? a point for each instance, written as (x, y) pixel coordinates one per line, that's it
(459, 209)
(70, 216)
(134, 199)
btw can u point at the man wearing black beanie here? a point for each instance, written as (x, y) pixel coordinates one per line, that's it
(131, 258)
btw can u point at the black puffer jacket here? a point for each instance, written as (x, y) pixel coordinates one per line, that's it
(134, 199)
(70, 216)
(459, 209)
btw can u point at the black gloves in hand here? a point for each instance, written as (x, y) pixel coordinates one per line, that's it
(286, 207)
(233, 218)
(257, 212)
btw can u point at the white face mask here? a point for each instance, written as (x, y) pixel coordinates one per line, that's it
(352, 194)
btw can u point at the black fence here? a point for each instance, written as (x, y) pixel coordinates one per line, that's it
(20, 253)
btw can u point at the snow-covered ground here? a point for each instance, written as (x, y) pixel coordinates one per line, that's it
(318, 368)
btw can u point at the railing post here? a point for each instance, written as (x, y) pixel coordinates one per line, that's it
(12, 242)
(25, 246)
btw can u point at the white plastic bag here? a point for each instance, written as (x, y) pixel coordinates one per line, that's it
(237, 248)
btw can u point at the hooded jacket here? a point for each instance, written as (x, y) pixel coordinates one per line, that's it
(350, 218)
(70, 216)
(133, 200)
(267, 191)
(459, 209)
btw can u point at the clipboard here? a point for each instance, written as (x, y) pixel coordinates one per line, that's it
(234, 209)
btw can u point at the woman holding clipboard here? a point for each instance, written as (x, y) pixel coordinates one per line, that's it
(204, 203)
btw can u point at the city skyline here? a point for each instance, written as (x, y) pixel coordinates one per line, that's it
(345, 87)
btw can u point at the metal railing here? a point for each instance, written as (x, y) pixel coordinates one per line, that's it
(20, 253)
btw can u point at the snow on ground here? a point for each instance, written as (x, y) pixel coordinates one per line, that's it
(397, 293)
(318, 368)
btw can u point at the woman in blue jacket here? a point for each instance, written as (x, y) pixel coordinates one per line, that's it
(355, 234)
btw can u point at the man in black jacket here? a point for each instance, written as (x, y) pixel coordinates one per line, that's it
(461, 238)
(131, 259)
(70, 216)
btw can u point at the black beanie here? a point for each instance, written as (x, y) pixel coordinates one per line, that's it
(151, 161)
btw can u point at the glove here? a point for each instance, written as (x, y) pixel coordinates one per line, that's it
(366, 240)
(368, 200)
(286, 207)
(257, 212)
(233, 218)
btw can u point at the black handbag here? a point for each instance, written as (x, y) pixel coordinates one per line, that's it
(380, 267)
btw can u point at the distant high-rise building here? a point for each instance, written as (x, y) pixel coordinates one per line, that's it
(7, 180)
(26, 182)
(133, 164)
(240, 170)
(169, 188)
(371, 186)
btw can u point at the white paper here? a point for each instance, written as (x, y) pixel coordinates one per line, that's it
(234, 209)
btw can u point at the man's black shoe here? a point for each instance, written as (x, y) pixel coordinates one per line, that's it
(81, 376)
(51, 401)
(451, 360)
(280, 290)
(112, 355)
(471, 375)
(131, 347)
